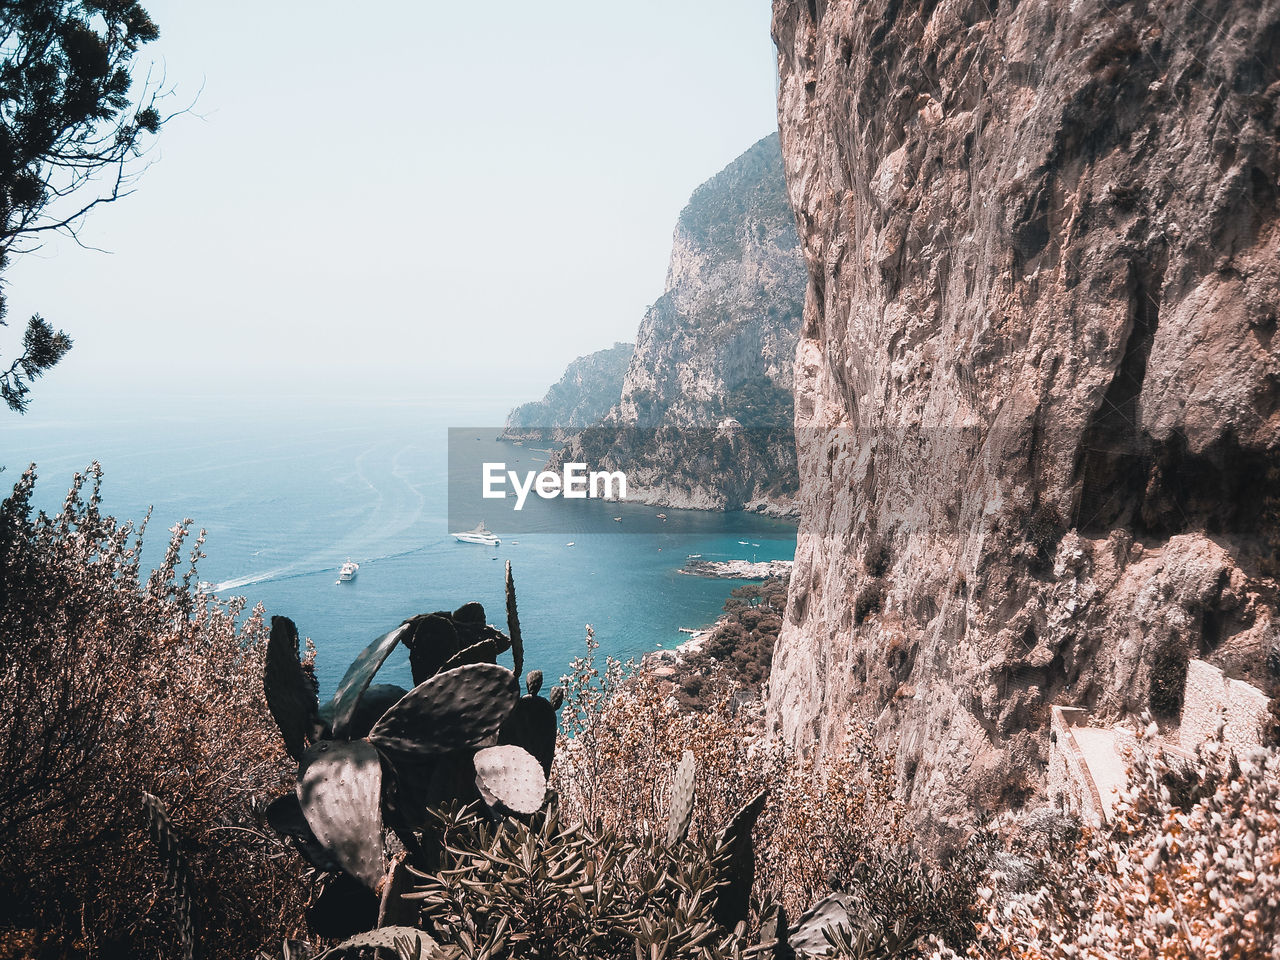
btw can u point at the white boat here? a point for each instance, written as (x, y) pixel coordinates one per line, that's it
(348, 571)
(480, 534)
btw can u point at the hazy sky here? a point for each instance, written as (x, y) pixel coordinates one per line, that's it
(396, 197)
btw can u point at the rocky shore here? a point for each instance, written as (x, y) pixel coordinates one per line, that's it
(738, 569)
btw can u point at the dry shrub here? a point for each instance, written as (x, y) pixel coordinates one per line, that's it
(1190, 869)
(834, 825)
(112, 682)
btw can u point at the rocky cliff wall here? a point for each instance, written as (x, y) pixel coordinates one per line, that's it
(590, 386)
(1038, 386)
(718, 344)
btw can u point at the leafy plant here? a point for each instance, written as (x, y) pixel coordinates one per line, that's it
(543, 888)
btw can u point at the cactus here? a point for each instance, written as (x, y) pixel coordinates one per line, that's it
(377, 700)
(682, 794)
(340, 791)
(485, 651)
(407, 942)
(454, 710)
(285, 817)
(432, 641)
(533, 682)
(557, 697)
(733, 901)
(510, 778)
(422, 749)
(513, 627)
(176, 870)
(829, 915)
(773, 933)
(532, 726)
(358, 677)
(342, 907)
(289, 689)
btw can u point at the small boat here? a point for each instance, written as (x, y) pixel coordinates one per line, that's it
(348, 571)
(481, 534)
(569, 544)
(694, 556)
(662, 516)
(617, 519)
(743, 543)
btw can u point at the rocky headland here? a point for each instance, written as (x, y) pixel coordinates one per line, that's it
(702, 418)
(737, 569)
(590, 386)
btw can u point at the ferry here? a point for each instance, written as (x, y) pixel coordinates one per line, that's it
(348, 571)
(480, 535)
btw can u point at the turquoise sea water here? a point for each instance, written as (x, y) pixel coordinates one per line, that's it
(288, 490)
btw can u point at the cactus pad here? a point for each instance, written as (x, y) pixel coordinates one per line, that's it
(402, 941)
(340, 791)
(454, 710)
(177, 872)
(486, 651)
(533, 682)
(432, 641)
(510, 778)
(556, 697)
(377, 700)
(284, 816)
(682, 791)
(513, 627)
(733, 900)
(358, 677)
(532, 725)
(290, 690)
(831, 913)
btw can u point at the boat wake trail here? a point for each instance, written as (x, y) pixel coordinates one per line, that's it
(297, 571)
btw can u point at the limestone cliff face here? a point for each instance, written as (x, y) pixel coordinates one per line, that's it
(1038, 385)
(590, 386)
(718, 345)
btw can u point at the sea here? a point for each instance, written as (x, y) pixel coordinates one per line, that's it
(289, 488)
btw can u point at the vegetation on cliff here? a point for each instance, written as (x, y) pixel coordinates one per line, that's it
(140, 753)
(115, 681)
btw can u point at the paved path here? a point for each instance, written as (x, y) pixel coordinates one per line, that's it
(1108, 769)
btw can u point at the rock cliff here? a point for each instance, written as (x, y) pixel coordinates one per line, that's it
(704, 416)
(1038, 385)
(590, 386)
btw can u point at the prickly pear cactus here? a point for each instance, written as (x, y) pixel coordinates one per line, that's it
(432, 642)
(377, 700)
(533, 682)
(340, 792)
(556, 697)
(510, 778)
(486, 651)
(831, 913)
(733, 901)
(403, 941)
(682, 793)
(532, 725)
(285, 817)
(358, 677)
(289, 689)
(454, 710)
(176, 870)
(513, 627)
